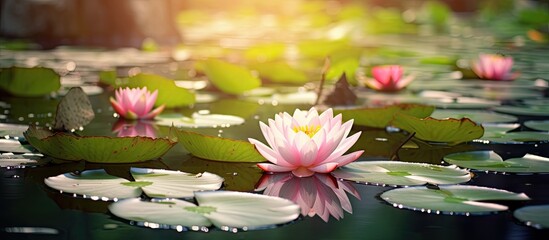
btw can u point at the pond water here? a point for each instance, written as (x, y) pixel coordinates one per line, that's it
(32, 210)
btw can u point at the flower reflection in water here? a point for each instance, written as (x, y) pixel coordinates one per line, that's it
(124, 128)
(319, 194)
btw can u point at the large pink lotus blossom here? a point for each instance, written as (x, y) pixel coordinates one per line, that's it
(494, 67)
(143, 128)
(306, 143)
(136, 103)
(388, 78)
(320, 194)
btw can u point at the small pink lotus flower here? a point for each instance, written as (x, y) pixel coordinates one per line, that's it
(320, 194)
(124, 128)
(136, 103)
(306, 143)
(494, 67)
(388, 78)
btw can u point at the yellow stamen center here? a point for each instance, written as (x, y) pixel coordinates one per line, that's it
(309, 130)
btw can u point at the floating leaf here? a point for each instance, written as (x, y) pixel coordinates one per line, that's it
(280, 72)
(454, 199)
(451, 131)
(491, 161)
(97, 149)
(154, 182)
(498, 129)
(74, 111)
(523, 137)
(198, 120)
(534, 216)
(20, 161)
(9, 130)
(381, 117)
(345, 66)
(401, 173)
(535, 110)
(230, 78)
(223, 209)
(477, 116)
(541, 125)
(169, 94)
(13, 146)
(265, 52)
(217, 148)
(29, 82)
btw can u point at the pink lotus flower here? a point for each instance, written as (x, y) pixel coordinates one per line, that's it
(125, 128)
(136, 103)
(388, 78)
(320, 194)
(306, 143)
(494, 67)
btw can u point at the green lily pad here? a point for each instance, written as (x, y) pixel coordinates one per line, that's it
(154, 182)
(265, 52)
(98, 149)
(401, 173)
(533, 110)
(534, 216)
(230, 78)
(169, 94)
(280, 72)
(454, 199)
(477, 116)
(381, 117)
(491, 161)
(224, 209)
(498, 129)
(198, 120)
(217, 148)
(541, 125)
(451, 131)
(344, 66)
(29, 82)
(523, 137)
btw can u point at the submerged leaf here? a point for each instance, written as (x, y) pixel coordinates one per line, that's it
(230, 78)
(381, 117)
(491, 161)
(454, 199)
(74, 111)
(217, 148)
(169, 94)
(451, 131)
(29, 82)
(401, 173)
(97, 149)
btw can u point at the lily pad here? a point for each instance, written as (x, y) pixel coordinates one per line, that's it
(477, 116)
(99, 149)
(534, 110)
(154, 182)
(13, 146)
(523, 137)
(9, 130)
(280, 72)
(230, 78)
(451, 131)
(453, 199)
(491, 161)
(498, 129)
(401, 173)
(223, 209)
(217, 148)
(29, 82)
(381, 117)
(169, 94)
(534, 216)
(198, 120)
(542, 125)
(20, 161)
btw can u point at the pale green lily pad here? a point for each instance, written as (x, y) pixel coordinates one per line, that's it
(541, 125)
(21, 161)
(9, 130)
(223, 209)
(491, 161)
(29, 82)
(230, 78)
(217, 148)
(477, 116)
(451, 131)
(13, 146)
(381, 117)
(98, 149)
(401, 173)
(280, 72)
(498, 129)
(454, 199)
(298, 97)
(169, 94)
(535, 216)
(154, 182)
(533, 110)
(346, 66)
(523, 137)
(198, 120)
